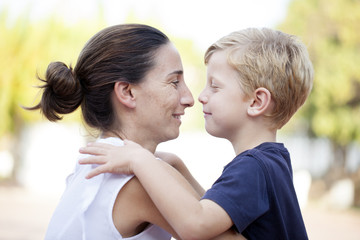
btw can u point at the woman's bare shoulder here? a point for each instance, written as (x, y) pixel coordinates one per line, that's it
(134, 210)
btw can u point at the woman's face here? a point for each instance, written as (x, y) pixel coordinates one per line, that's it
(163, 97)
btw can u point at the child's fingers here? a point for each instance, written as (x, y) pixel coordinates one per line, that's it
(98, 170)
(99, 145)
(92, 160)
(92, 150)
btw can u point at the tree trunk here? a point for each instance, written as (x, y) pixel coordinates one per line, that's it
(15, 149)
(337, 168)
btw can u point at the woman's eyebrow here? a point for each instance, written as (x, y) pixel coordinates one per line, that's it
(177, 72)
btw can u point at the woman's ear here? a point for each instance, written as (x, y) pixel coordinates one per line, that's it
(124, 95)
(261, 102)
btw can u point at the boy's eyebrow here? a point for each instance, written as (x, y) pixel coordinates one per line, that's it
(177, 72)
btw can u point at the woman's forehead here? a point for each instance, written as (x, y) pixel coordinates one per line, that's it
(167, 61)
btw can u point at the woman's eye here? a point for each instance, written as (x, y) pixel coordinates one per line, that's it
(175, 82)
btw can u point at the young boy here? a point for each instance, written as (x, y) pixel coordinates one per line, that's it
(256, 80)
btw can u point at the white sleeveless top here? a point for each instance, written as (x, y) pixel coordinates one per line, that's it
(85, 208)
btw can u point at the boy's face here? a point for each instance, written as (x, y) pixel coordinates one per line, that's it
(224, 104)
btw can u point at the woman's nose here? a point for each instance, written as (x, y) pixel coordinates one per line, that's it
(187, 98)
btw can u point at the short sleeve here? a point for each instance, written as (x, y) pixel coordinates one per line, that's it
(241, 191)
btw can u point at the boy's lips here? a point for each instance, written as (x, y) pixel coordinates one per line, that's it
(206, 113)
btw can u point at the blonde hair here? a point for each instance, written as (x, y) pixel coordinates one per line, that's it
(271, 59)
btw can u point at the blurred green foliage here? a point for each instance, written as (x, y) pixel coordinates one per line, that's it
(28, 46)
(330, 29)
(26, 49)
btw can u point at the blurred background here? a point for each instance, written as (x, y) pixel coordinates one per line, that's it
(323, 137)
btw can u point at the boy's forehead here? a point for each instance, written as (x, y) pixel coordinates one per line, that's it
(219, 68)
(232, 54)
(217, 61)
(219, 55)
(225, 58)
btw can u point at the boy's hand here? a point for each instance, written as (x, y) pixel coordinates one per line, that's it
(112, 159)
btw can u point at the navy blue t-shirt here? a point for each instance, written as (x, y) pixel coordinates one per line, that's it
(256, 190)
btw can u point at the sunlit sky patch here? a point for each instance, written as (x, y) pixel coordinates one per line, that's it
(203, 21)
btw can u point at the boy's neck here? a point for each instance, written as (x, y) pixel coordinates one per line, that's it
(251, 139)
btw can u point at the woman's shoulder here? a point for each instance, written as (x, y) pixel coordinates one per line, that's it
(128, 208)
(134, 211)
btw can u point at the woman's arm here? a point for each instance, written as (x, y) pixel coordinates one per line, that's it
(170, 192)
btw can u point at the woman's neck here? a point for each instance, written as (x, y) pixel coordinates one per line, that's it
(149, 145)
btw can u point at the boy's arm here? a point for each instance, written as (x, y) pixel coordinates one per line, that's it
(171, 193)
(191, 218)
(230, 234)
(179, 165)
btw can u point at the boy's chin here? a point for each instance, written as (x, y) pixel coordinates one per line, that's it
(213, 133)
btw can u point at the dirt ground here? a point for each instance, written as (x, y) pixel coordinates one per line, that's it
(24, 215)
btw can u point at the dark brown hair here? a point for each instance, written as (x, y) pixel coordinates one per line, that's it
(118, 53)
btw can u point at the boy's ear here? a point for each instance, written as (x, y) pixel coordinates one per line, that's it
(123, 93)
(260, 102)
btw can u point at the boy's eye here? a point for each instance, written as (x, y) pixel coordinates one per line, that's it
(213, 85)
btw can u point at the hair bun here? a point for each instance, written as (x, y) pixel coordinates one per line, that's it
(60, 79)
(62, 91)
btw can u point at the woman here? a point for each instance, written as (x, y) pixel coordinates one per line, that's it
(129, 83)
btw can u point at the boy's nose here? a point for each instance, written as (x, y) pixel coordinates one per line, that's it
(202, 97)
